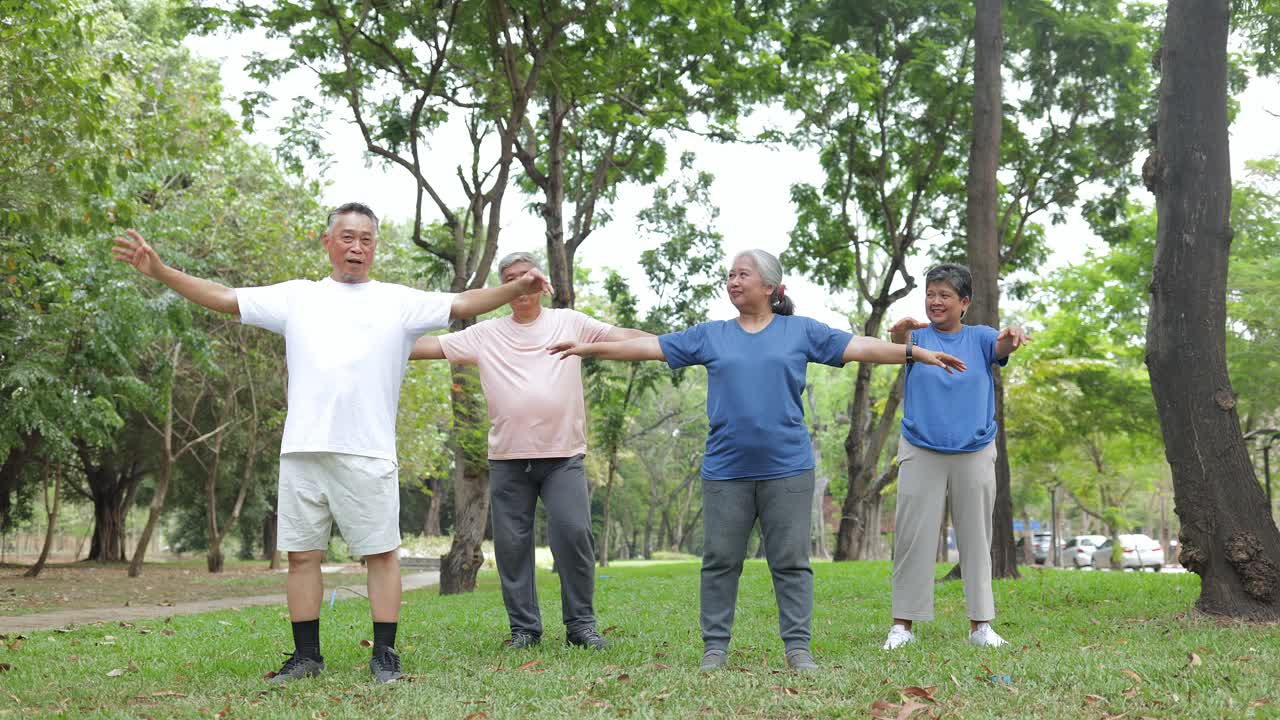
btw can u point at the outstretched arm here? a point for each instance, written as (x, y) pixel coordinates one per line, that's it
(135, 251)
(1010, 339)
(427, 347)
(618, 334)
(868, 349)
(637, 348)
(481, 300)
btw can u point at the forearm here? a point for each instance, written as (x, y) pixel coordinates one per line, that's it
(479, 301)
(873, 350)
(637, 348)
(208, 293)
(1004, 348)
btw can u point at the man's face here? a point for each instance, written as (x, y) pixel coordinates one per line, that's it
(513, 273)
(350, 244)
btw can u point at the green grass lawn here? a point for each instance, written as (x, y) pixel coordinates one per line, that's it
(1090, 645)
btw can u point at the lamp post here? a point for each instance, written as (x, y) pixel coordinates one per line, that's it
(1266, 437)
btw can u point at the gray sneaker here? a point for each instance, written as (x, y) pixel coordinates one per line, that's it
(385, 664)
(296, 668)
(713, 660)
(801, 660)
(520, 640)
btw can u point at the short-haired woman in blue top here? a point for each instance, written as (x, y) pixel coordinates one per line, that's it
(759, 460)
(948, 449)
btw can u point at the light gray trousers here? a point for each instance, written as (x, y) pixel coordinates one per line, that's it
(925, 479)
(730, 509)
(514, 487)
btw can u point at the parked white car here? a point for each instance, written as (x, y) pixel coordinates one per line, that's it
(1136, 551)
(1079, 549)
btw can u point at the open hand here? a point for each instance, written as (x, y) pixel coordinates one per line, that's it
(534, 281)
(567, 348)
(135, 251)
(1015, 336)
(905, 325)
(950, 363)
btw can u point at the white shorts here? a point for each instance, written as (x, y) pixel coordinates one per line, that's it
(361, 493)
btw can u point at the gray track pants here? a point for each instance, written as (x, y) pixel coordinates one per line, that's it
(515, 486)
(925, 478)
(730, 509)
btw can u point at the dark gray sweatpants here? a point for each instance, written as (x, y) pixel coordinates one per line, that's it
(730, 510)
(514, 487)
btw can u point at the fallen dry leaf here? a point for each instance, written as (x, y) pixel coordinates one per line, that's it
(477, 716)
(624, 677)
(1193, 660)
(1094, 699)
(1131, 692)
(529, 665)
(883, 710)
(116, 672)
(924, 693)
(1136, 677)
(15, 644)
(659, 666)
(366, 643)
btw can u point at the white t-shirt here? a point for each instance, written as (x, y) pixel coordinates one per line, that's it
(347, 346)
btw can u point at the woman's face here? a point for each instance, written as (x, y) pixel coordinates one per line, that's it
(943, 305)
(746, 288)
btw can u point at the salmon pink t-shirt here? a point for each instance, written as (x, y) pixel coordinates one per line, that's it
(535, 399)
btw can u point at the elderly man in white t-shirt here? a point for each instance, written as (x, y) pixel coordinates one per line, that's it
(537, 437)
(347, 343)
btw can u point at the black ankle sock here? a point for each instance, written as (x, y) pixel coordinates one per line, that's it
(306, 638)
(384, 634)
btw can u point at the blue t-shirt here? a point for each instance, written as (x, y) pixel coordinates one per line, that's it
(754, 383)
(952, 412)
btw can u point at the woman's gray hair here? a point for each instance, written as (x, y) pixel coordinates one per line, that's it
(771, 273)
(517, 257)
(957, 276)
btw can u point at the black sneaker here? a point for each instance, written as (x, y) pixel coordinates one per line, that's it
(385, 664)
(520, 640)
(296, 668)
(587, 638)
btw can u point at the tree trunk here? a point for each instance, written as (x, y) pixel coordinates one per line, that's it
(157, 506)
(458, 568)
(431, 525)
(608, 496)
(559, 264)
(1028, 541)
(108, 524)
(647, 547)
(269, 552)
(1228, 537)
(863, 447)
(52, 516)
(984, 245)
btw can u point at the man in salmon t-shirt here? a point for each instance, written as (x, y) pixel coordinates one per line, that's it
(537, 437)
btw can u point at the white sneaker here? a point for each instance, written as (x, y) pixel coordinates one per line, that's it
(899, 635)
(984, 636)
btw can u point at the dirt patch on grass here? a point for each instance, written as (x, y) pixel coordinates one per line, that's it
(93, 585)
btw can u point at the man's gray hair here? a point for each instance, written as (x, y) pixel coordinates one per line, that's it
(352, 207)
(517, 257)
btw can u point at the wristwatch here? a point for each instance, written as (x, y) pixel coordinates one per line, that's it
(909, 358)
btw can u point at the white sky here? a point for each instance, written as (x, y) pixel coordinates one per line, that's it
(752, 186)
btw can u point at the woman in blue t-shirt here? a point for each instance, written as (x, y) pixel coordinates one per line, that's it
(947, 449)
(759, 460)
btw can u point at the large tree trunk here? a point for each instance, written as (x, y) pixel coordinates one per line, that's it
(51, 514)
(112, 492)
(459, 567)
(1228, 537)
(984, 246)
